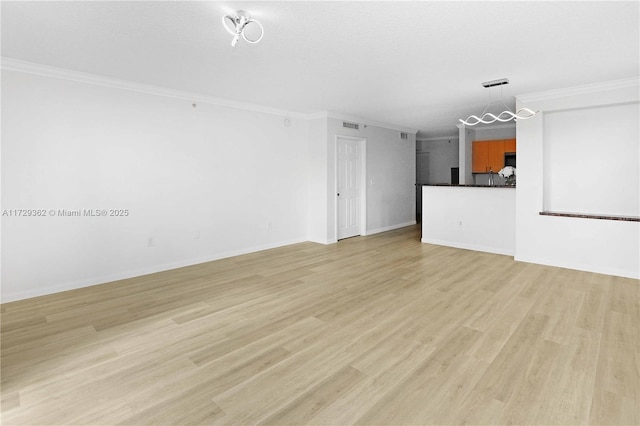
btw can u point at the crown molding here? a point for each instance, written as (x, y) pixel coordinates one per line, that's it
(18, 65)
(495, 126)
(346, 117)
(627, 83)
(486, 127)
(318, 115)
(341, 116)
(438, 138)
(11, 64)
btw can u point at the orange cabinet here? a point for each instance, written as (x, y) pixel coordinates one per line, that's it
(496, 156)
(509, 145)
(489, 155)
(480, 154)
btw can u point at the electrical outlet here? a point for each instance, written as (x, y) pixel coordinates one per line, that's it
(269, 225)
(151, 242)
(460, 224)
(196, 235)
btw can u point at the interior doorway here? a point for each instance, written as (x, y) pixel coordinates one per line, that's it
(422, 178)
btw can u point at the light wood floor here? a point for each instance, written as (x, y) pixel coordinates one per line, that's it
(373, 330)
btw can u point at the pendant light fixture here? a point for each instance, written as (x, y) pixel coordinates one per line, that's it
(239, 20)
(507, 115)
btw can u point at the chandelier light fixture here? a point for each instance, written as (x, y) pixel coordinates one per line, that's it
(507, 115)
(238, 22)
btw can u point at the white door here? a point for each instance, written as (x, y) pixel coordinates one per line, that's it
(348, 188)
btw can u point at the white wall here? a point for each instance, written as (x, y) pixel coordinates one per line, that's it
(496, 131)
(443, 155)
(591, 160)
(603, 246)
(480, 219)
(199, 183)
(317, 178)
(202, 183)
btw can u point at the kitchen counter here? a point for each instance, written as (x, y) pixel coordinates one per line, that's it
(466, 185)
(592, 216)
(473, 217)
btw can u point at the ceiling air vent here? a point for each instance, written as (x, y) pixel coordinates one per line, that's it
(404, 135)
(350, 125)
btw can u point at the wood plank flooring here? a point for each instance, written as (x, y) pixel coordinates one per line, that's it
(374, 330)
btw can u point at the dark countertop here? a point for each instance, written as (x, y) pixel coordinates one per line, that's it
(592, 216)
(465, 186)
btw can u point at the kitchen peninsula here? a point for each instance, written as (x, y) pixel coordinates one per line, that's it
(474, 217)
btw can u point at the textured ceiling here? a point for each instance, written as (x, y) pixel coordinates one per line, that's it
(413, 64)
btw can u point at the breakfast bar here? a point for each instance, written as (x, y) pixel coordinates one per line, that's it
(474, 217)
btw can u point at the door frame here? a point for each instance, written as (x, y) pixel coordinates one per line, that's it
(363, 183)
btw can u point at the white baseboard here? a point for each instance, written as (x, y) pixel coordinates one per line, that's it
(102, 279)
(467, 246)
(390, 228)
(11, 297)
(598, 269)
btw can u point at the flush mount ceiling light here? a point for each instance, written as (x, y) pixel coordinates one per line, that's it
(487, 118)
(239, 20)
